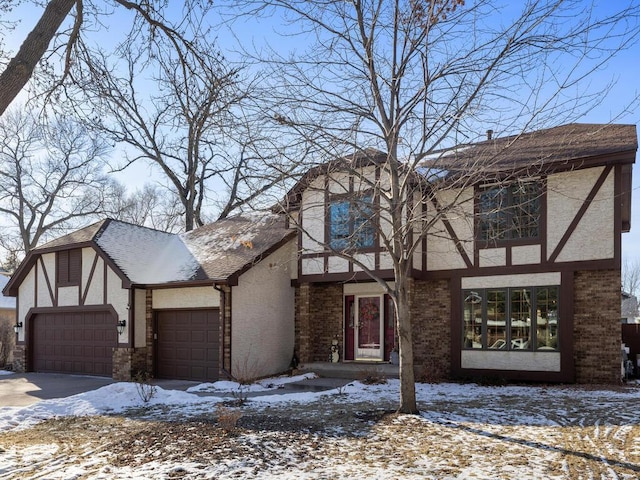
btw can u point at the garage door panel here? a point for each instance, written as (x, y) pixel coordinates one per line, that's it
(187, 344)
(74, 342)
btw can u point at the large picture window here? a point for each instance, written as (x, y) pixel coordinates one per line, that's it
(509, 212)
(350, 223)
(511, 318)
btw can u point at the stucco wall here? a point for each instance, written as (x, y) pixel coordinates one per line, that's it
(26, 299)
(262, 334)
(118, 297)
(518, 361)
(140, 320)
(312, 216)
(566, 193)
(43, 298)
(442, 253)
(192, 297)
(95, 294)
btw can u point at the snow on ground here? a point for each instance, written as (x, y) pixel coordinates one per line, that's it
(224, 386)
(464, 431)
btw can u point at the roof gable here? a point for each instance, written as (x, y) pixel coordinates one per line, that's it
(143, 256)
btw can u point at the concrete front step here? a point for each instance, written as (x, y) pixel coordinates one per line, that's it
(352, 370)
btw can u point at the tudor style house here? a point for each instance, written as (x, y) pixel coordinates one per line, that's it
(517, 275)
(520, 281)
(113, 299)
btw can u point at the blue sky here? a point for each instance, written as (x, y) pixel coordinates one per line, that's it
(624, 71)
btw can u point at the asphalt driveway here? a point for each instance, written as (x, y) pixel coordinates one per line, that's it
(22, 389)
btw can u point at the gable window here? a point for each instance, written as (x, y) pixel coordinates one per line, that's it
(68, 267)
(518, 318)
(509, 212)
(350, 223)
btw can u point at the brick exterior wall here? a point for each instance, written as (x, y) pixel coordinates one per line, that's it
(20, 359)
(148, 318)
(128, 361)
(225, 332)
(302, 326)
(596, 326)
(431, 310)
(122, 364)
(319, 310)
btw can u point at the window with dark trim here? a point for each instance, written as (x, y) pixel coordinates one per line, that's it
(68, 267)
(350, 223)
(517, 318)
(509, 212)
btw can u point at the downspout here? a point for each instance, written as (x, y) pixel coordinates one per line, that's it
(223, 305)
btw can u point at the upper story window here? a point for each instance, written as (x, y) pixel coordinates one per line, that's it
(68, 267)
(350, 222)
(509, 212)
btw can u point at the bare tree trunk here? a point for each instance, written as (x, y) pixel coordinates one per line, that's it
(20, 68)
(405, 334)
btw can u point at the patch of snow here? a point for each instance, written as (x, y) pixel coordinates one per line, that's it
(259, 386)
(146, 255)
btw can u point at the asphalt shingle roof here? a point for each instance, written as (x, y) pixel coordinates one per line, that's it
(551, 146)
(213, 252)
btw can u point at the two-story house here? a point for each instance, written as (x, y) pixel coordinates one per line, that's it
(511, 248)
(517, 274)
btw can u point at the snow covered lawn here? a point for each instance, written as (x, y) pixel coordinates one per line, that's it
(464, 431)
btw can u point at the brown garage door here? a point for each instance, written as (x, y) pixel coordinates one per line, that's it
(187, 344)
(74, 342)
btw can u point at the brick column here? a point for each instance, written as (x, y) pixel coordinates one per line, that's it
(431, 311)
(225, 319)
(19, 359)
(148, 318)
(597, 332)
(122, 364)
(302, 322)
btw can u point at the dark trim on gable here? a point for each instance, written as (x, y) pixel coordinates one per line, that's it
(618, 206)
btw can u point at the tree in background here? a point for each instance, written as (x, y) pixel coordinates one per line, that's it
(52, 179)
(410, 77)
(56, 43)
(631, 276)
(186, 113)
(151, 206)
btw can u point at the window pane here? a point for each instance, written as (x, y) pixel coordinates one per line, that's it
(496, 319)
(525, 217)
(547, 318)
(520, 319)
(339, 225)
(472, 314)
(493, 219)
(363, 232)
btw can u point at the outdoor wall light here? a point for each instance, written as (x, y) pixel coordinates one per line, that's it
(17, 327)
(121, 326)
